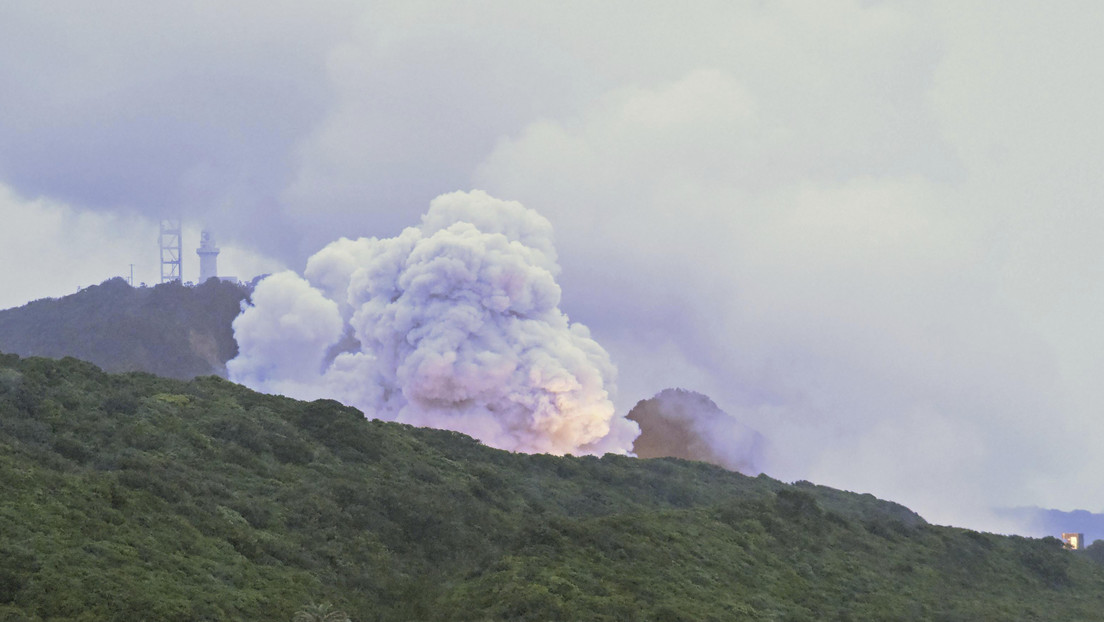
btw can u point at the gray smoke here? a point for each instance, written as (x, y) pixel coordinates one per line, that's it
(452, 324)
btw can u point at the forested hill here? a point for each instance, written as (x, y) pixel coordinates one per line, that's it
(136, 497)
(169, 330)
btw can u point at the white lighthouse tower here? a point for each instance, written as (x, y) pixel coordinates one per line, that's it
(208, 257)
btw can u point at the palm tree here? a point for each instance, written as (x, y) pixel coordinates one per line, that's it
(322, 612)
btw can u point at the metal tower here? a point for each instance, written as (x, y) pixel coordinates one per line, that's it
(171, 251)
(208, 257)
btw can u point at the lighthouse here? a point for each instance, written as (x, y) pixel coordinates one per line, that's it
(208, 257)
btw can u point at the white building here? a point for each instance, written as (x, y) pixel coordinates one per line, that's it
(208, 257)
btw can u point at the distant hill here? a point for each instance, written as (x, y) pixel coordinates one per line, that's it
(136, 497)
(169, 330)
(677, 423)
(1041, 521)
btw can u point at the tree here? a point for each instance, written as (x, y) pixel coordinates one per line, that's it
(322, 612)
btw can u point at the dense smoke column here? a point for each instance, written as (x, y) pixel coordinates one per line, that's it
(684, 424)
(283, 335)
(452, 324)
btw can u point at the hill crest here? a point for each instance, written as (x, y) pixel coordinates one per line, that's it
(170, 329)
(133, 495)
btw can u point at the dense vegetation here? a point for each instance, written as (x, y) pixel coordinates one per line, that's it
(169, 330)
(132, 497)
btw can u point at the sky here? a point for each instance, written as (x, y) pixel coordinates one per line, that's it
(868, 230)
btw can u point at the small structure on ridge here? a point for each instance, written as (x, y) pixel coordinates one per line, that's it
(208, 257)
(1074, 541)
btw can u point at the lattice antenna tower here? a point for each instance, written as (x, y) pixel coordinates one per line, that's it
(171, 247)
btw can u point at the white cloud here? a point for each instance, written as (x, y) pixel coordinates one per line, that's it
(50, 250)
(842, 288)
(452, 324)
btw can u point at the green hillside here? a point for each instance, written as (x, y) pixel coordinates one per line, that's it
(169, 330)
(133, 497)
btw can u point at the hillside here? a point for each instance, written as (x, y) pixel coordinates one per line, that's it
(136, 497)
(169, 330)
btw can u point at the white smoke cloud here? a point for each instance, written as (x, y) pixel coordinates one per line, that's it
(283, 338)
(452, 324)
(857, 319)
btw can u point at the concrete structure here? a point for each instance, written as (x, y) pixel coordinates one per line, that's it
(171, 251)
(1074, 541)
(208, 257)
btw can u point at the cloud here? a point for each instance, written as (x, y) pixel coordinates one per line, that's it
(418, 101)
(832, 293)
(44, 241)
(185, 109)
(282, 346)
(452, 324)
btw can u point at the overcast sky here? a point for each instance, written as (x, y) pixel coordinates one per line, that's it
(869, 230)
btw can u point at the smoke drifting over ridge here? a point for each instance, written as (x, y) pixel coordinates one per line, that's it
(452, 324)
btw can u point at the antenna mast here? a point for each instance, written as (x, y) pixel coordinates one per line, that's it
(171, 251)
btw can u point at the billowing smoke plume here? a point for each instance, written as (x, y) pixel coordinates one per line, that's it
(683, 424)
(452, 324)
